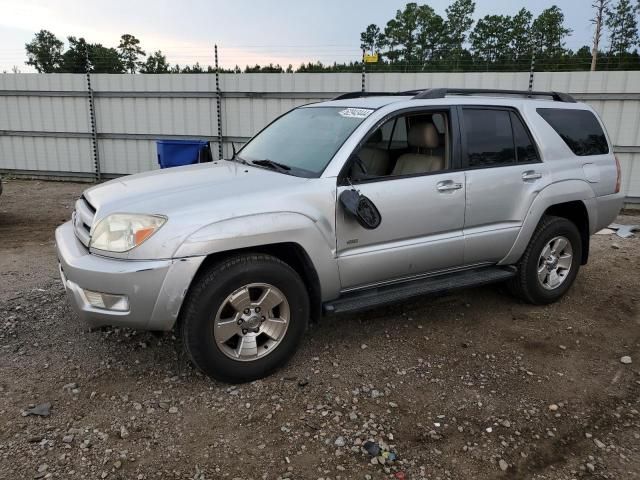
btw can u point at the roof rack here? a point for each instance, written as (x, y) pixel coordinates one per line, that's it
(443, 92)
(346, 96)
(432, 93)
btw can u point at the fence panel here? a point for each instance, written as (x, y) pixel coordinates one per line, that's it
(45, 126)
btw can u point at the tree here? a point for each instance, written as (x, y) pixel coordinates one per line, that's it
(370, 38)
(623, 28)
(74, 59)
(430, 35)
(491, 38)
(156, 63)
(521, 43)
(104, 59)
(581, 59)
(458, 22)
(197, 68)
(400, 34)
(44, 52)
(413, 37)
(549, 33)
(130, 52)
(81, 56)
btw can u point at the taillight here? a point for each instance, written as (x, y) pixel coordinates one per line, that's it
(619, 175)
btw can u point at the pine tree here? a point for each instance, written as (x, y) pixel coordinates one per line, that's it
(370, 38)
(549, 33)
(156, 63)
(623, 28)
(491, 37)
(521, 43)
(130, 52)
(458, 23)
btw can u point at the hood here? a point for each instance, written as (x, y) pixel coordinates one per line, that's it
(179, 188)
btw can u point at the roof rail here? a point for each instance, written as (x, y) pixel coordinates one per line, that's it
(431, 93)
(346, 96)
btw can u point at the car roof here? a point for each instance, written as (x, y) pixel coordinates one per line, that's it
(363, 102)
(438, 96)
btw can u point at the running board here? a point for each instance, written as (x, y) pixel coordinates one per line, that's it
(377, 296)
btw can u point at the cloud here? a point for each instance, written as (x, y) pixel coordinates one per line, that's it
(30, 17)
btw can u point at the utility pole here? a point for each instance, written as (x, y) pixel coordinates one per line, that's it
(599, 6)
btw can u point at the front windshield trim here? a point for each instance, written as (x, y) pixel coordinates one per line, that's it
(303, 172)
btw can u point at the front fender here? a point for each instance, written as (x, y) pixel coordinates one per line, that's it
(553, 194)
(267, 229)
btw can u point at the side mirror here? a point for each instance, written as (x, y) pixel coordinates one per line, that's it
(361, 208)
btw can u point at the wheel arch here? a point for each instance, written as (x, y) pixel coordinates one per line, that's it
(576, 212)
(571, 199)
(291, 253)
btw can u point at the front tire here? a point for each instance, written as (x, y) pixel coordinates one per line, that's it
(550, 263)
(244, 317)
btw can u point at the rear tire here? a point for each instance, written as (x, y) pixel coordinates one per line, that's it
(550, 263)
(244, 317)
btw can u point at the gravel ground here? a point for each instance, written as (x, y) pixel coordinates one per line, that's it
(471, 385)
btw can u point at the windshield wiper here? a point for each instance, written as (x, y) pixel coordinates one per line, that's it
(265, 162)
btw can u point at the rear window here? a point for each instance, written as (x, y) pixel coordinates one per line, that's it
(579, 129)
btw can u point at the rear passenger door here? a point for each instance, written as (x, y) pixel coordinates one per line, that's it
(503, 174)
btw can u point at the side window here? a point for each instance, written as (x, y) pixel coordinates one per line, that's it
(399, 139)
(579, 129)
(489, 137)
(412, 144)
(525, 150)
(386, 130)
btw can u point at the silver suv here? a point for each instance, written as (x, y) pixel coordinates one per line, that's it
(340, 206)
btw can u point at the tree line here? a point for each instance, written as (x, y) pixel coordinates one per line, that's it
(419, 39)
(416, 39)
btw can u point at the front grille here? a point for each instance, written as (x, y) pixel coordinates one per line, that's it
(83, 220)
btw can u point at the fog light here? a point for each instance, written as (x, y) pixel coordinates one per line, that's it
(119, 303)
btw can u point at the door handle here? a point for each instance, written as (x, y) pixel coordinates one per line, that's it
(531, 175)
(448, 186)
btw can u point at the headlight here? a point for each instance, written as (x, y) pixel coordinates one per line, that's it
(120, 232)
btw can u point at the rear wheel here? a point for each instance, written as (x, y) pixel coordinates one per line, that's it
(550, 263)
(244, 317)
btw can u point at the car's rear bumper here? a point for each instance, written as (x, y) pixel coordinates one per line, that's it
(154, 289)
(607, 208)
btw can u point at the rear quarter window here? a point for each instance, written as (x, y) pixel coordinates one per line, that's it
(579, 129)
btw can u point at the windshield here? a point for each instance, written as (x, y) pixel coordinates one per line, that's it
(305, 139)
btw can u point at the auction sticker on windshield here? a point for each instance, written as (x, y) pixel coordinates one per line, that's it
(355, 112)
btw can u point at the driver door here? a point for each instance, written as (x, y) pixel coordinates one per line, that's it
(422, 213)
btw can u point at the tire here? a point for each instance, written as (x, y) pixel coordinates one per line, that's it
(534, 272)
(216, 307)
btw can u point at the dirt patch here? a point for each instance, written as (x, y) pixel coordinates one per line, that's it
(452, 384)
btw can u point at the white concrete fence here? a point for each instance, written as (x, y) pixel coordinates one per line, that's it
(46, 128)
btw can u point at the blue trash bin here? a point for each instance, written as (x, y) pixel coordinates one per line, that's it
(174, 153)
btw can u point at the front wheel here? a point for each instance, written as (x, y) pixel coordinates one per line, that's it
(550, 263)
(244, 317)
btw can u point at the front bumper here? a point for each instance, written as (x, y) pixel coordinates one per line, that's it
(155, 288)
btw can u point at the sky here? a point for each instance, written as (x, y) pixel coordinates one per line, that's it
(246, 31)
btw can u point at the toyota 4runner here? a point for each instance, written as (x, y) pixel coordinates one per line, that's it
(344, 205)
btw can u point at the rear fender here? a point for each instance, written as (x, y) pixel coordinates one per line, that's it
(267, 229)
(555, 193)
